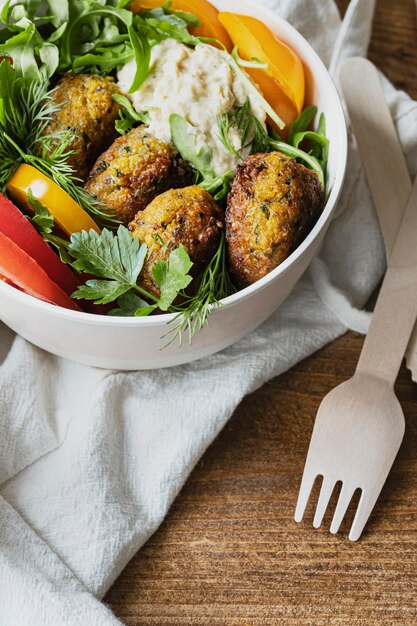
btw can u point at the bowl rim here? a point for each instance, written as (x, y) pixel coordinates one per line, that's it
(265, 14)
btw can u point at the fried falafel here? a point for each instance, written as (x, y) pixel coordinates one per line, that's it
(273, 204)
(135, 170)
(187, 216)
(86, 107)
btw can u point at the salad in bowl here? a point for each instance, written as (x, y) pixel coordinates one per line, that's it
(159, 161)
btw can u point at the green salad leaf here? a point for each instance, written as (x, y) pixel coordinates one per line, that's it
(172, 276)
(184, 137)
(118, 260)
(142, 50)
(44, 223)
(194, 311)
(128, 117)
(117, 257)
(42, 218)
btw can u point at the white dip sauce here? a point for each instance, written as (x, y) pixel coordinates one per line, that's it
(197, 84)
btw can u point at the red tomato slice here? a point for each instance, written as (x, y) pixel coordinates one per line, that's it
(16, 227)
(19, 268)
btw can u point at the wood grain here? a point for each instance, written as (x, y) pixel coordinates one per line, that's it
(229, 553)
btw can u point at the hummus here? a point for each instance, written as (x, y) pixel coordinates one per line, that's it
(197, 84)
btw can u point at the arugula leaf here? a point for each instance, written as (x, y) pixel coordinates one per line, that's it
(142, 50)
(159, 25)
(91, 35)
(25, 49)
(302, 123)
(128, 117)
(320, 143)
(218, 187)
(172, 276)
(185, 140)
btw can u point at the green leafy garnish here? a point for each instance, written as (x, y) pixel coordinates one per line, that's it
(26, 109)
(34, 59)
(245, 122)
(172, 276)
(128, 117)
(184, 138)
(214, 285)
(302, 123)
(41, 218)
(44, 223)
(118, 261)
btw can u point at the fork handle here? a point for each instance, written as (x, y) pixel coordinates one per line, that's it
(396, 308)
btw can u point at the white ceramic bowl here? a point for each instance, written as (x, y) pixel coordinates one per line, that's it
(130, 344)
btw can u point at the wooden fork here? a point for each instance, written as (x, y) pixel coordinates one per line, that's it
(360, 424)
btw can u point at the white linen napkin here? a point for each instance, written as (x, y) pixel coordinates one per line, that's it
(91, 460)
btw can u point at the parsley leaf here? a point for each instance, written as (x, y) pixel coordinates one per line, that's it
(131, 305)
(119, 258)
(172, 276)
(101, 291)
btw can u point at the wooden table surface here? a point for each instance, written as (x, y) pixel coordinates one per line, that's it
(229, 553)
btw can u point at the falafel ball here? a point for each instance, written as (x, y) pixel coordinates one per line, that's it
(187, 216)
(87, 108)
(273, 204)
(134, 170)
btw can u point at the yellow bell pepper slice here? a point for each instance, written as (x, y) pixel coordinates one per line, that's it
(207, 14)
(283, 81)
(69, 216)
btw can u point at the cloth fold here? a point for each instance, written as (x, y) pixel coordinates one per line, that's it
(91, 460)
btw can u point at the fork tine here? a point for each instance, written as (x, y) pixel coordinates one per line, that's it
(307, 482)
(343, 502)
(325, 495)
(363, 512)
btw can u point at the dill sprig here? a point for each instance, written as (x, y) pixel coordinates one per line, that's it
(247, 124)
(25, 113)
(214, 285)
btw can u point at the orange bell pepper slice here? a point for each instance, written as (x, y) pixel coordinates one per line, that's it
(20, 269)
(210, 26)
(283, 83)
(69, 216)
(15, 226)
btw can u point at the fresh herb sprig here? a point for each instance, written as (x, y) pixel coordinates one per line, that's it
(26, 109)
(117, 261)
(316, 155)
(44, 223)
(213, 286)
(247, 124)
